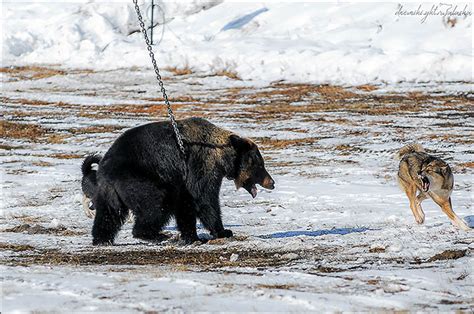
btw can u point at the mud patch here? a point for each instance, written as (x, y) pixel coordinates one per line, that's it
(167, 256)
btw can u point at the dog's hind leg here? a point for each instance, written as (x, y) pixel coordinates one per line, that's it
(109, 218)
(415, 204)
(447, 208)
(146, 200)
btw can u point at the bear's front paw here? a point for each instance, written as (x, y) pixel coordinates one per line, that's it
(226, 233)
(191, 240)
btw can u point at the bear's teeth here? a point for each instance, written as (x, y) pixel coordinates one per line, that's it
(253, 191)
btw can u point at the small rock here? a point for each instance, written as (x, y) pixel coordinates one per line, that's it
(395, 247)
(360, 260)
(290, 256)
(234, 257)
(395, 288)
(54, 223)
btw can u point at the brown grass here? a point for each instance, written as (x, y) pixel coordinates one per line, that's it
(26, 219)
(66, 156)
(469, 164)
(448, 254)
(230, 74)
(57, 138)
(272, 143)
(179, 71)
(96, 129)
(175, 99)
(24, 101)
(377, 250)
(10, 147)
(22, 130)
(31, 72)
(280, 287)
(367, 88)
(30, 132)
(15, 247)
(38, 229)
(41, 163)
(37, 72)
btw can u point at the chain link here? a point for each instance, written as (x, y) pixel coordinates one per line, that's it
(160, 81)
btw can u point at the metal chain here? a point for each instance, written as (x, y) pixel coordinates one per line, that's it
(160, 81)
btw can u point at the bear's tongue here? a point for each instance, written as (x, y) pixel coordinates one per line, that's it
(253, 191)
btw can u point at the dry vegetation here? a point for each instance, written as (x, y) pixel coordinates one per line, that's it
(230, 74)
(16, 130)
(322, 105)
(37, 72)
(179, 71)
(39, 229)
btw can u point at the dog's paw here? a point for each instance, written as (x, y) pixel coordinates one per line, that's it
(192, 241)
(153, 237)
(100, 242)
(420, 220)
(462, 224)
(226, 234)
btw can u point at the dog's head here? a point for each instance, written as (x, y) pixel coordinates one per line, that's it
(434, 174)
(250, 167)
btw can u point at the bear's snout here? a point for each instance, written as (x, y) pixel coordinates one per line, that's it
(268, 183)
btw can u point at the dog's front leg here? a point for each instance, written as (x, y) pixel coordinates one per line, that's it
(420, 198)
(447, 208)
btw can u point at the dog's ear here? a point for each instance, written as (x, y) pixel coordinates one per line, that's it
(444, 169)
(241, 144)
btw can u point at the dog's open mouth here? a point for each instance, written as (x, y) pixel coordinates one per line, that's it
(425, 183)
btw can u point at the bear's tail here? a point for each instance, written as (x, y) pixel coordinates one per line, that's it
(89, 178)
(408, 149)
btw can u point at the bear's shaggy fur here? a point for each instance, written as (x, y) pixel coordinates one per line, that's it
(144, 171)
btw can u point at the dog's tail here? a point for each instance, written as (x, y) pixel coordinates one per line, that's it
(89, 179)
(410, 148)
(88, 162)
(89, 182)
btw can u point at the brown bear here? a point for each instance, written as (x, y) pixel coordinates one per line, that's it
(144, 171)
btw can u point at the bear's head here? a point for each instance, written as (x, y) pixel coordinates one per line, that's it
(249, 166)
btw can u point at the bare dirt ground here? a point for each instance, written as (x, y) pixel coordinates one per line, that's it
(336, 234)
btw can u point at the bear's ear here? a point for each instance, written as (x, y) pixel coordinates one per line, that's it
(241, 144)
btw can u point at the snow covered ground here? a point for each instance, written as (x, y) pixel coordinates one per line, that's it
(335, 234)
(348, 43)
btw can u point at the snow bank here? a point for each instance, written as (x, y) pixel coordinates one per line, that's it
(301, 42)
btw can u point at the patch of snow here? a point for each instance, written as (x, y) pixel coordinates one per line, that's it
(342, 43)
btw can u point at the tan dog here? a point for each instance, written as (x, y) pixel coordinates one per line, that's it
(431, 177)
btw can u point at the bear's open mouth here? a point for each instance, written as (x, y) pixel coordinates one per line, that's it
(252, 189)
(425, 183)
